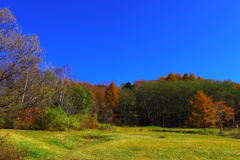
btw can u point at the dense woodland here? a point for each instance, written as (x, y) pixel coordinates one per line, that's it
(36, 96)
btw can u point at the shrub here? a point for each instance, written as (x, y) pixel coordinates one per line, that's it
(73, 123)
(55, 119)
(32, 115)
(2, 122)
(20, 124)
(8, 151)
(90, 121)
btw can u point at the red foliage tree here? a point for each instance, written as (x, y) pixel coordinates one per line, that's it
(223, 112)
(32, 115)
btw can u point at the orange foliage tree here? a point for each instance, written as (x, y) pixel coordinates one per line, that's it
(111, 98)
(202, 111)
(171, 77)
(98, 100)
(192, 76)
(139, 82)
(223, 112)
(174, 77)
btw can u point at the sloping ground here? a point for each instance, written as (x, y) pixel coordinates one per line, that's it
(132, 144)
(37, 143)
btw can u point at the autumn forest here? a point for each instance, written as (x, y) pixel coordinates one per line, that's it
(40, 97)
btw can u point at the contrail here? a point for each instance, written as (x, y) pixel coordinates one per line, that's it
(119, 80)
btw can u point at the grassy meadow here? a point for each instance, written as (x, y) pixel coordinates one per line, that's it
(125, 143)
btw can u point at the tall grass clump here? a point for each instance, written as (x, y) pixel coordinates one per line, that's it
(105, 127)
(8, 151)
(232, 134)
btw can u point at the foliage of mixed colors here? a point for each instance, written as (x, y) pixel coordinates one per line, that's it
(47, 98)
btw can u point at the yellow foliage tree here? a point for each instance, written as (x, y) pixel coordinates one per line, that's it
(203, 113)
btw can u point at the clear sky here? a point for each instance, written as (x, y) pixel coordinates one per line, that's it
(129, 40)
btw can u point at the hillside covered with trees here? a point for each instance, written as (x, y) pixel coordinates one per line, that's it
(34, 96)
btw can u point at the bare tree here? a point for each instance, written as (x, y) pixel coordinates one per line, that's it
(19, 54)
(62, 74)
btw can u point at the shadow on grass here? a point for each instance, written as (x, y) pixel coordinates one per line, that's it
(176, 131)
(229, 134)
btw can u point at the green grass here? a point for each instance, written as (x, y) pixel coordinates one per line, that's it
(126, 143)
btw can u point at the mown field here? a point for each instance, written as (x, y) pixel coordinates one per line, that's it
(125, 143)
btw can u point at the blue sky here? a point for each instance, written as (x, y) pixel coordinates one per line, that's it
(121, 41)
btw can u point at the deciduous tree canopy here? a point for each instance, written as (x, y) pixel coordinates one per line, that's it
(203, 114)
(33, 96)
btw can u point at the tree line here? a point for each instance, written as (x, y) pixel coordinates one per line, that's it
(37, 96)
(169, 103)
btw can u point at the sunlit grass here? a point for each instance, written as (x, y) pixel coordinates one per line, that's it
(126, 143)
